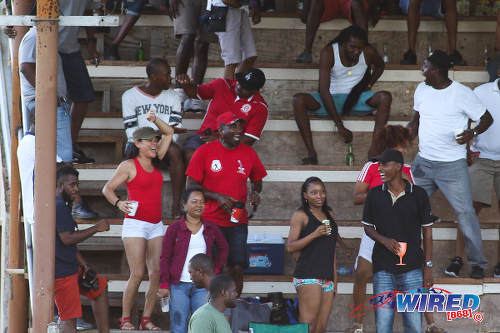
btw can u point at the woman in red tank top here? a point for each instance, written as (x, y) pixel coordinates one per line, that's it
(142, 229)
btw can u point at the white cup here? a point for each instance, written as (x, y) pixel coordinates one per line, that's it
(458, 132)
(165, 304)
(134, 205)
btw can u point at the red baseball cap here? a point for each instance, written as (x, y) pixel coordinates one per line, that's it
(228, 118)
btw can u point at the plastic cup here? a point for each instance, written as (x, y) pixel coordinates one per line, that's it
(327, 223)
(165, 304)
(134, 205)
(458, 132)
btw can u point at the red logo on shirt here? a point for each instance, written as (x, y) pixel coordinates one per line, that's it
(245, 108)
(216, 166)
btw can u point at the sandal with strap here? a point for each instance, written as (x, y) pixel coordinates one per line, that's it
(126, 324)
(147, 325)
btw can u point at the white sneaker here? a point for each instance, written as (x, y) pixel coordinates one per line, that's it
(193, 105)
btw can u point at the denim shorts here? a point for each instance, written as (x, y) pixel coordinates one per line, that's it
(133, 228)
(359, 109)
(134, 7)
(80, 87)
(236, 237)
(194, 141)
(64, 143)
(326, 285)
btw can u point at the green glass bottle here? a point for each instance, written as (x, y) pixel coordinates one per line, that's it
(140, 52)
(349, 157)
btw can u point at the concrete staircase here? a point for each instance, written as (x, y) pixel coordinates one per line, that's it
(279, 40)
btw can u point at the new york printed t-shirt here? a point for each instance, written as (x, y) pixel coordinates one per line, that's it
(226, 171)
(224, 99)
(442, 111)
(66, 262)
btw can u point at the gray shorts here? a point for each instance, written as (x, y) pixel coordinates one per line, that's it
(187, 21)
(237, 41)
(484, 174)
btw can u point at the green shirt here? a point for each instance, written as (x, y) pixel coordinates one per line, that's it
(208, 319)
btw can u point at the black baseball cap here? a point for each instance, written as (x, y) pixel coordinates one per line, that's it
(391, 155)
(252, 79)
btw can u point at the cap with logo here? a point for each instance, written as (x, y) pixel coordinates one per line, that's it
(145, 132)
(228, 118)
(391, 155)
(252, 79)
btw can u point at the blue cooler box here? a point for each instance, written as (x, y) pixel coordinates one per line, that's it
(265, 254)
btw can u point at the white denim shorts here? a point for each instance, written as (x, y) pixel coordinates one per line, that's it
(365, 248)
(141, 229)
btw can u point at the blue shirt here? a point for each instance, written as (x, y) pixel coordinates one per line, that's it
(66, 262)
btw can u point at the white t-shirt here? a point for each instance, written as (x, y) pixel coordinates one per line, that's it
(68, 36)
(197, 245)
(26, 163)
(136, 104)
(27, 54)
(488, 142)
(442, 111)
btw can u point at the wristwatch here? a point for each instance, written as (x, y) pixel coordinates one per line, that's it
(475, 132)
(428, 264)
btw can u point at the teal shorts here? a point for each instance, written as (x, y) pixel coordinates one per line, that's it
(359, 109)
(326, 285)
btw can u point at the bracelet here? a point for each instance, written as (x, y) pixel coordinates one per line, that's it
(116, 202)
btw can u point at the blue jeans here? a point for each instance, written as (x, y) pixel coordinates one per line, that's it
(384, 281)
(185, 299)
(452, 179)
(64, 143)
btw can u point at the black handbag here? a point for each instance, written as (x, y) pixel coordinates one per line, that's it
(217, 19)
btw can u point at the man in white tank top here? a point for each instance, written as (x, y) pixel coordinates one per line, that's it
(344, 88)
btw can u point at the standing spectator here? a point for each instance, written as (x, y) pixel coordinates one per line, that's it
(241, 97)
(236, 42)
(393, 137)
(223, 167)
(142, 229)
(398, 211)
(312, 242)
(210, 317)
(157, 95)
(201, 269)
(194, 42)
(454, 58)
(484, 159)
(187, 237)
(495, 62)
(70, 266)
(345, 80)
(443, 108)
(80, 89)
(133, 9)
(319, 11)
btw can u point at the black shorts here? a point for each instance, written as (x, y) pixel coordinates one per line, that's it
(236, 237)
(80, 89)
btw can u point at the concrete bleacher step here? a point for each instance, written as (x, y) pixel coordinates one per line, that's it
(283, 81)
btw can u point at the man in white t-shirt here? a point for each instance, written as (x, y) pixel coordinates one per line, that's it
(442, 110)
(484, 160)
(167, 102)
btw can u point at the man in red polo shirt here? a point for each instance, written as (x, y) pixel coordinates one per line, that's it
(222, 167)
(241, 97)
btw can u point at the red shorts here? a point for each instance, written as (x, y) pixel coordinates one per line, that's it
(338, 9)
(67, 295)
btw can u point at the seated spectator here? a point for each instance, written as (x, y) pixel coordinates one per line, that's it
(236, 42)
(483, 157)
(494, 64)
(319, 11)
(80, 89)
(223, 168)
(187, 237)
(142, 229)
(157, 95)
(241, 97)
(349, 67)
(194, 43)
(133, 9)
(201, 270)
(312, 242)
(395, 215)
(70, 267)
(410, 57)
(210, 317)
(392, 137)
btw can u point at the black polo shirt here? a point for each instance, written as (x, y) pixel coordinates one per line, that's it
(402, 221)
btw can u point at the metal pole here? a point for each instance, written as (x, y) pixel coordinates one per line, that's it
(18, 298)
(45, 171)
